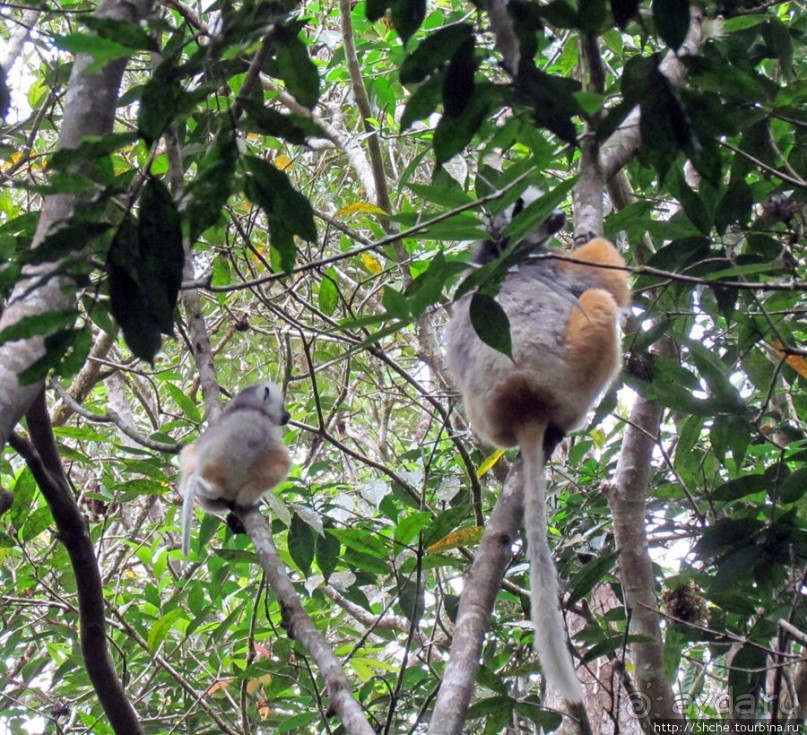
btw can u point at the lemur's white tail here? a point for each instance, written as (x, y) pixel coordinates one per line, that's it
(189, 489)
(550, 631)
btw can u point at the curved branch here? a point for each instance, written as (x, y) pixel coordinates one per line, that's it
(629, 511)
(85, 380)
(299, 626)
(16, 41)
(45, 465)
(476, 604)
(112, 417)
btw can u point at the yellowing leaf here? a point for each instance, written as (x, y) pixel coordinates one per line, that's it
(254, 684)
(221, 684)
(371, 263)
(598, 435)
(489, 463)
(375, 663)
(797, 362)
(460, 537)
(362, 670)
(284, 163)
(12, 160)
(359, 208)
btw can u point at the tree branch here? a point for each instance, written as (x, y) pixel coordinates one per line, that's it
(381, 197)
(112, 417)
(624, 142)
(300, 627)
(43, 460)
(476, 604)
(85, 380)
(626, 499)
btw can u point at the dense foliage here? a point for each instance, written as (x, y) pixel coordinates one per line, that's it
(330, 164)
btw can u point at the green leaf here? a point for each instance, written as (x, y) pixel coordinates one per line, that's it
(411, 598)
(159, 630)
(734, 207)
(302, 544)
(122, 32)
(37, 325)
(491, 323)
(551, 100)
(500, 705)
(423, 102)
(443, 524)
(779, 39)
(65, 347)
(287, 211)
(664, 126)
(592, 574)
(24, 489)
(592, 15)
(560, 13)
(102, 50)
(209, 190)
(434, 52)
(91, 148)
(427, 289)
(77, 351)
(547, 720)
(716, 374)
(454, 132)
(740, 487)
(162, 101)
(328, 548)
(293, 65)
(37, 522)
(374, 9)
(794, 487)
(675, 641)
(742, 22)
(590, 102)
(145, 265)
(395, 303)
(732, 533)
(187, 406)
(129, 301)
(266, 121)
(458, 81)
(410, 526)
(691, 202)
(161, 251)
(328, 295)
(361, 541)
(672, 21)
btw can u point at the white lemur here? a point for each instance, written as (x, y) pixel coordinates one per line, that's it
(238, 458)
(564, 319)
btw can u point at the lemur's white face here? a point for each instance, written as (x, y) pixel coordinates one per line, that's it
(265, 397)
